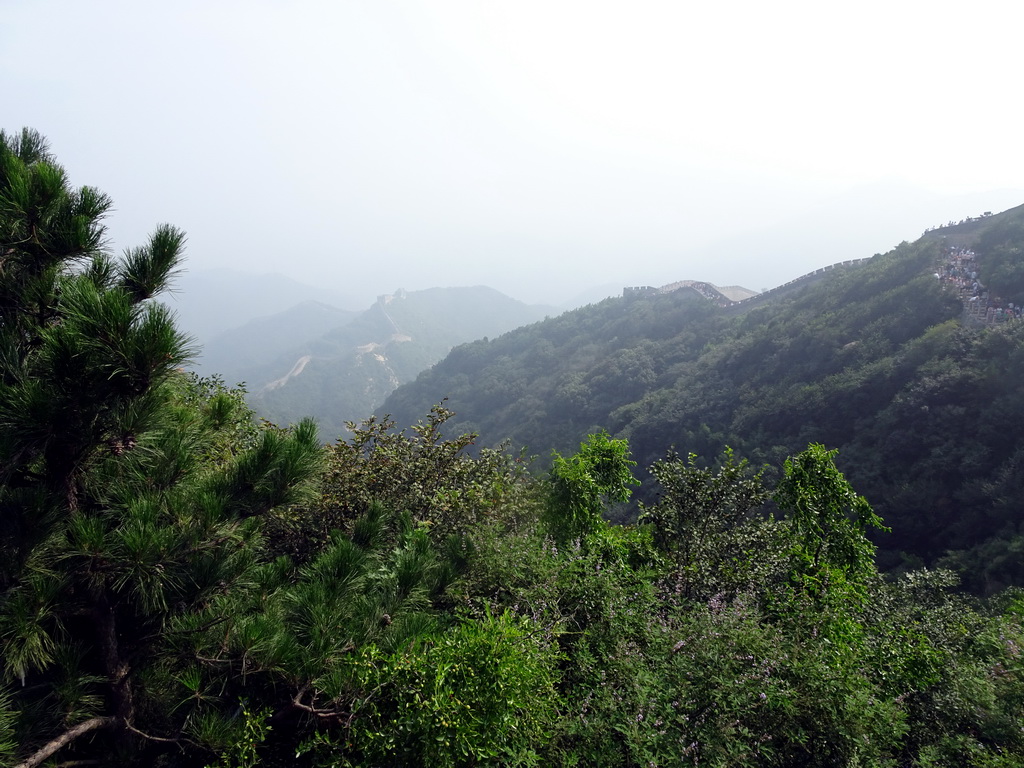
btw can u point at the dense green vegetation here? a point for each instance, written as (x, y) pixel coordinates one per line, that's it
(873, 360)
(182, 587)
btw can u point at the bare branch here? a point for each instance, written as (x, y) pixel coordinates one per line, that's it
(67, 737)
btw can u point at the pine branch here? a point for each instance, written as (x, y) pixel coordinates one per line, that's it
(66, 738)
(195, 630)
(81, 729)
(149, 737)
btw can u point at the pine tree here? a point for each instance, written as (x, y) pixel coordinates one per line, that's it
(131, 495)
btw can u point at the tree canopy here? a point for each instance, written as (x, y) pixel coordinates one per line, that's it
(127, 490)
(874, 359)
(183, 586)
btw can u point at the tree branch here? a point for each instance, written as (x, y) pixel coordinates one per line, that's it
(149, 737)
(66, 738)
(296, 704)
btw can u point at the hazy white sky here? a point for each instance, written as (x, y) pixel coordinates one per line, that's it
(537, 147)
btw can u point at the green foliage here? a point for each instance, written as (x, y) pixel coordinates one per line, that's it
(543, 385)
(871, 359)
(8, 729)
(1001, 243)
(829, 522)
(290, 635)
(243, 751)
(176, 589)
(594, 601)
(376, 591)
(582, 485)
(444, 488)
(739, 690)
(481, 693)
(131, 494)
(706, 524)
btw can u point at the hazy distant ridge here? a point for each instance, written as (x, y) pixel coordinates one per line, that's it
(345, 372)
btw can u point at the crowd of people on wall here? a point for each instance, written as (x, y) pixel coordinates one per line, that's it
(960, 271)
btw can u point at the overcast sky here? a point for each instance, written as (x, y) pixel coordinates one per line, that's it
(537, 147)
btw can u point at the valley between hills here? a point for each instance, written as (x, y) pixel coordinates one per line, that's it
(666, 528)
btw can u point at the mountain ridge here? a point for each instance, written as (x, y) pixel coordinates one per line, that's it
(871, 357)
(344, 373)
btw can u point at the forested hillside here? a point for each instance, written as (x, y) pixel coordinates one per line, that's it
(874, 359)
(182, 586)
(344, 373)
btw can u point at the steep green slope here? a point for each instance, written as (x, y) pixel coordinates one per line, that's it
(545, 385)
(928, 414)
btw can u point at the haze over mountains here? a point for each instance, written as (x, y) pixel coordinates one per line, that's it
(216, 306)
(624, 247)
(162, 544)
(758, 246)
(256, 328)
(210, 301)
(313, 359)
(851, 225)
(878, 359)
